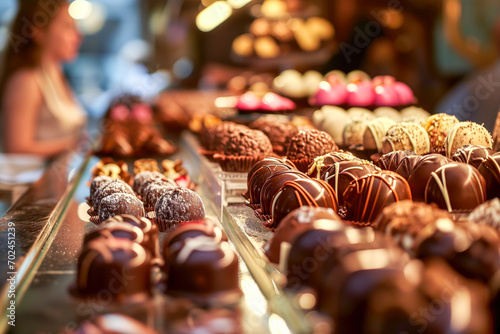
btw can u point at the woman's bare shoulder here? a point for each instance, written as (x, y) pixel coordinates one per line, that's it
(23, 83)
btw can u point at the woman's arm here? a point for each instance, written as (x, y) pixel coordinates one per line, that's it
(21, 104)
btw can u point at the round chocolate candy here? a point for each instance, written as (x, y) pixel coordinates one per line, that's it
(456, 187)
(422, 172)
(490, 170)
(120, 204)
(178, 205)
(472, 154)
(391, 160)
(367, 196)
(259, 177)
(407, 164)
(273, 184)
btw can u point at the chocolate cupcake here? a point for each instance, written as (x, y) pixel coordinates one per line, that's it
(406, 136)
(323, 162)
(308, 144)
(296, 222)
(487, 213)
(120, 204)
(456, 187)
(472, 154)
(437, 126)
(340, 175)
(422, 172)
(277, 129)
(151, 239)
(142, 177)
(117, 266)
(243, 149)
(301, 192)
(466, 133)
(390, 161)
(490, 170)
(177, 206)
(204, 271)
(367, 196)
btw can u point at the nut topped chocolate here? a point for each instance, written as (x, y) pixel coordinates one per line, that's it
(246, 142)
(437, 126)
(309, 143)
(301, 192)
(466, 133)
(323, 162)
(472, 154)
(367, 196)
(277, 128)
(390, 161)
(406, 136)
(216, 137)
(178, 205)
(456, 187)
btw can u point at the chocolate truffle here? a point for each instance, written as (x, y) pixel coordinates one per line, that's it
(294, 194)
(387, 112)
(142, 177)
(163, 181)
(268, 161)
(367, 196)
(296, 222)
(120, 204)
(471, 249)
(154, 191)
(178, 205)
(277, 128)
(273, 184)
(108, 188)
(375, 132)
(487, 213)
(456, 187)
(340, 175)
(308, 144)
(333, 120)
(323, 162)
(406, 136)
(202, 269)
(97, 183)
(437, 126)
(407, 165)
(151, 240)
(414, 114)
(246, 142)
(115, 229)
(354, 132)
(119, 266)
(466, 133)
(403, 221)
(391, 160)
(422, 172)
(204, 227)
(490, 170)
(258, 179)
(472, 154)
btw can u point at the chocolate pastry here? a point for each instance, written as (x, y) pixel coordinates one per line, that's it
(367, 196)
(117, 266)
(340, 175)
(391, 160)
(472, 154)
(176, 206)
(296, 222)
(490, 170)
(120, 204)
(422, 172)
(456, 187)
(201, 269)
(301, 192)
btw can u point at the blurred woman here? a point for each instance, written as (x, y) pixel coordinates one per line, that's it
(39, 113)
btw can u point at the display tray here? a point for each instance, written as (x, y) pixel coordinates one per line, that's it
(43, 304)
